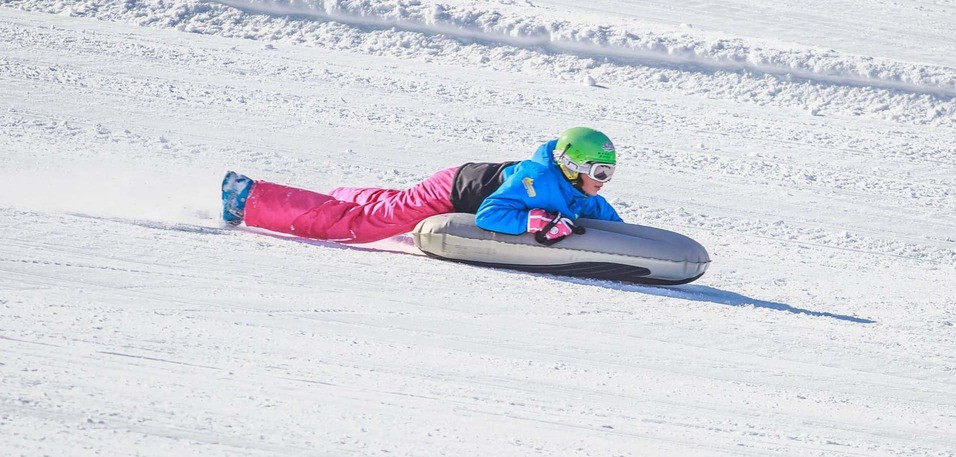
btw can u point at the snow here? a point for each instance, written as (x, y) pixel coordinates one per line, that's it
(816, 163)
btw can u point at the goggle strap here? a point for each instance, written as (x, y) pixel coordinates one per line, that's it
(573, 166)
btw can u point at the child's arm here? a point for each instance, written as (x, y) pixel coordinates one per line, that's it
(601, 209)
(506, 210)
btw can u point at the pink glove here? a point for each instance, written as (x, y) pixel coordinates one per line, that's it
(549, 228)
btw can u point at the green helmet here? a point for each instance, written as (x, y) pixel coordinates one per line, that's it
(580, 146)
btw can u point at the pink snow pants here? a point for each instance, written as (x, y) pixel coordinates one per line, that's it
(348, 214)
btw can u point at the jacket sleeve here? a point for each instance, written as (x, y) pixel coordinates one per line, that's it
(506, 210)
(601, 209)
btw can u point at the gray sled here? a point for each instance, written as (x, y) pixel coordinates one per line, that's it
(614, 251)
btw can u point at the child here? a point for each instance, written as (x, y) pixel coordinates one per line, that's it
(543, 195)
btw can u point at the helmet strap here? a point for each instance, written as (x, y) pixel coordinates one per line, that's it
(567, 172)
(577, 182)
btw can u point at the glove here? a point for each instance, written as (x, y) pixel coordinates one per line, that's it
(549, 228)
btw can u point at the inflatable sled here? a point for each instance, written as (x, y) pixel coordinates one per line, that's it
(607, 250)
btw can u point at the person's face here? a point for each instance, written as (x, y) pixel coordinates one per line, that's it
(590, 186)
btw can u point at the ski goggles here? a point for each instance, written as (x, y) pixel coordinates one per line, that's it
(601, 172)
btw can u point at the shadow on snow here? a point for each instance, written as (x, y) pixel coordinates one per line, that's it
(714, 295)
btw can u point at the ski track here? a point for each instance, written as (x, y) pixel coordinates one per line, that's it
(135, 324)
(820, 81)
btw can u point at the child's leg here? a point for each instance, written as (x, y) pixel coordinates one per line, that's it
(276, 207)
(313, 215)
(361, 195)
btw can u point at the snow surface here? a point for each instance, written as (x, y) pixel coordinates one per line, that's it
(811, 147)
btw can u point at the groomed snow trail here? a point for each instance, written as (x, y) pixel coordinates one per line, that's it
(135, 324)
(511, 37)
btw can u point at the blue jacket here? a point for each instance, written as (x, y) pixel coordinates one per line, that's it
(537, 183)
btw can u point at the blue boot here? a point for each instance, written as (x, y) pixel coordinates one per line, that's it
(235, 191)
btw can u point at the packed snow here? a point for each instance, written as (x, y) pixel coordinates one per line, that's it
(810, 147)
